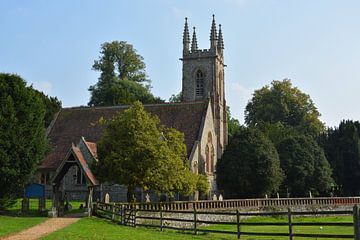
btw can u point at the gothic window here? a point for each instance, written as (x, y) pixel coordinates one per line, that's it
(209, 153)
(199, 83)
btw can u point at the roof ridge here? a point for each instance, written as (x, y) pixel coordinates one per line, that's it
(145, 105)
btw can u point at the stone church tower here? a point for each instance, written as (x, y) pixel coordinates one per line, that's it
(203, 78)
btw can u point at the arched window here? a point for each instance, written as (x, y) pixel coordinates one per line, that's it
(199, 83)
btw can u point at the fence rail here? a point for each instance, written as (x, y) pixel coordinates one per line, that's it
(126, 215)
(245, 203)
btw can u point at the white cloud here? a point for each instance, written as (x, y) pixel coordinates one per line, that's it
(45, 87)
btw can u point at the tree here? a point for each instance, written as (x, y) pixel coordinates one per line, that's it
(52, 106)
(122, 79)
(176, 98)
(135, 150)
(233, 124)
(250, 166)
(342, 148)
(22, 135)
(285, 105)
(305, 166)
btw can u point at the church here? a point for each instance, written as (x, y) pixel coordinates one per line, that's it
(201, 116)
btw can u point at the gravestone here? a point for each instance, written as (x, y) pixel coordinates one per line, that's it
(147, 198)
(221, 197)
(214, 198)
(107, 198)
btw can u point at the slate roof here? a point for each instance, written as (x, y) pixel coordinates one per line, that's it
(71, 124)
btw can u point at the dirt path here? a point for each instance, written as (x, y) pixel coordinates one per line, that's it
(42, 229)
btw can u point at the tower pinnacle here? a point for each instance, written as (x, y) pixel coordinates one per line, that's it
(186, 37)
(194, 45)
(213, 34)
(220, 43)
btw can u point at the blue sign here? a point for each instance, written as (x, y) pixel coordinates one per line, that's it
(35, 190)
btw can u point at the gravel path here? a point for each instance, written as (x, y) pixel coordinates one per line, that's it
(42, 229)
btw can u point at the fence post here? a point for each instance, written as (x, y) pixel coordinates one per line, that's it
(113, 212)
(238, 223)
(290, 224)
(161, 219)
(135, 217)
(356, 222)
(195, 224)
(124, 216)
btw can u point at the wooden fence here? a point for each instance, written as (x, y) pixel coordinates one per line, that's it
(156, 219)
(245, 203)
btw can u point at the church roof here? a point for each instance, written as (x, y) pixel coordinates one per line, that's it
(71, 124)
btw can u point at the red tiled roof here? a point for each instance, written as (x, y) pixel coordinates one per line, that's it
(90, 176)
(92, 148)
(73, 123)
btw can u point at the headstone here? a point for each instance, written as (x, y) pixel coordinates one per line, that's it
(221, 197)
(107, 198)
(147, 198)
(214, 198)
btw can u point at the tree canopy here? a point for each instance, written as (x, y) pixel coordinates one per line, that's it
(22, 135)
(250, 166)
(305, 166)
(52, 106)
(285, 105)
(135, 150)
(122, 79)
(342, 148)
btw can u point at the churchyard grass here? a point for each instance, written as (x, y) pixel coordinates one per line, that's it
(95, 228)
(9, 225)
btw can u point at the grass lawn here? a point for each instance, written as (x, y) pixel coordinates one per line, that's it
(96, 228)
(10, 225)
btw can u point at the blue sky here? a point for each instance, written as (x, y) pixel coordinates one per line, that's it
(52, 45)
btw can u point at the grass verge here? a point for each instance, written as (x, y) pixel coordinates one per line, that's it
(9, 225)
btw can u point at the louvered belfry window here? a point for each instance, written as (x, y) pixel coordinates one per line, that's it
(199, 83)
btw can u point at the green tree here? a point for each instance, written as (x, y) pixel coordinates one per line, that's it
(135, 150)
(285, 105)
(122, 79)
(305, 165)
(250, 166)
(233, 124)
(52, 106)
(176, 98)
(342, 148)
(22, 135)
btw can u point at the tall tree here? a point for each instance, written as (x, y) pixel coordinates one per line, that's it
(233, 124)
(52, 106)
(135, 150)
(305, 166)
(122, 79)
(285, 105)
(22, 135)
(342, 148)
(250, 166)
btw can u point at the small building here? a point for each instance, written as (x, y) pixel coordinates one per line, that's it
(201, 116)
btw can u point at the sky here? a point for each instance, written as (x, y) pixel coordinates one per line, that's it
(316, 44)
